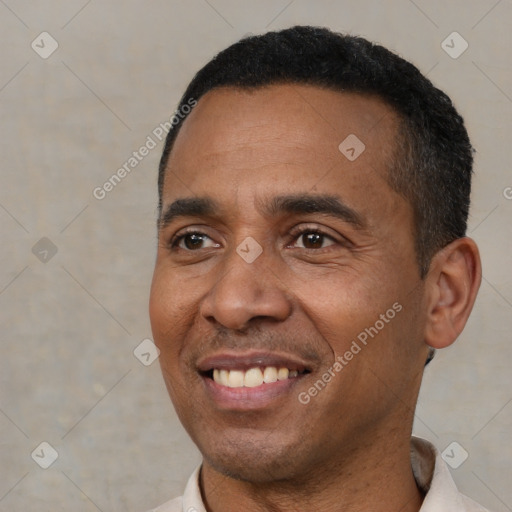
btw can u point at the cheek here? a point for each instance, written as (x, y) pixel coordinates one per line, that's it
(173, 311)
(362, 320)
(343, 303)
(165, 325)
(158, 301)
(165, 310)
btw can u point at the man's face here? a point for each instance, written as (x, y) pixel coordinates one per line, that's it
(281, 253)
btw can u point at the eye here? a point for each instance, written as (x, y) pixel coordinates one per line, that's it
(193, 241)
(313, 239)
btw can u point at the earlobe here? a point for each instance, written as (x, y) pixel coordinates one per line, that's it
(452, 283)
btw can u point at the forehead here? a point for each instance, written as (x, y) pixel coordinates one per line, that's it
(300, 115)
(295, 138)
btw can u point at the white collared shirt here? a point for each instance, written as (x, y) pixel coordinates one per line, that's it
(430, 471)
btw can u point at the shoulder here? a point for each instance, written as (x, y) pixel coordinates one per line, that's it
(472, 506)
(190, 501)
(175, 505)
(434, 478)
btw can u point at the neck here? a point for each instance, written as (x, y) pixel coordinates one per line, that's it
(376, 476)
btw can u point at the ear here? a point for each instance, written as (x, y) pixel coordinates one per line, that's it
(452, 283)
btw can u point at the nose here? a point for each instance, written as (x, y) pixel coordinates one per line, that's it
(244, 293)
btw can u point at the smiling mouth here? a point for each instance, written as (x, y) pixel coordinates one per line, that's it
(253, 377)
(252, 380)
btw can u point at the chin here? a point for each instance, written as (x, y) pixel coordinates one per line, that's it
(253, 458)
(254, 469)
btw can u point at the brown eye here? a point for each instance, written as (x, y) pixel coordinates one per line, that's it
(313, 240)
(194, 241)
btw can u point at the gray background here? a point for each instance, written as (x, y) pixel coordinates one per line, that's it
(71, 321)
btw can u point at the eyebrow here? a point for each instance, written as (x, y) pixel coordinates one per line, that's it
(187, 207)
(315, 203)
(287, 204)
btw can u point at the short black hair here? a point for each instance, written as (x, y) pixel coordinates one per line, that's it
(433, 157)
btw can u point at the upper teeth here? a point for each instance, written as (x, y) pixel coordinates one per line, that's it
(252, 377)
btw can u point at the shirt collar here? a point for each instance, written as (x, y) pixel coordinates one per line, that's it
(430, 471)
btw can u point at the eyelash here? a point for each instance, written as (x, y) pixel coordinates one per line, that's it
(295, 234)
(173, 243)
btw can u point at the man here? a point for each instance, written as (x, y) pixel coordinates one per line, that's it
(314, 193)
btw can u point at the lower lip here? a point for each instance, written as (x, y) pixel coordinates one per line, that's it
(247, 399)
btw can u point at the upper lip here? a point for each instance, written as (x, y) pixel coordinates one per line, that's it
(236, 360)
